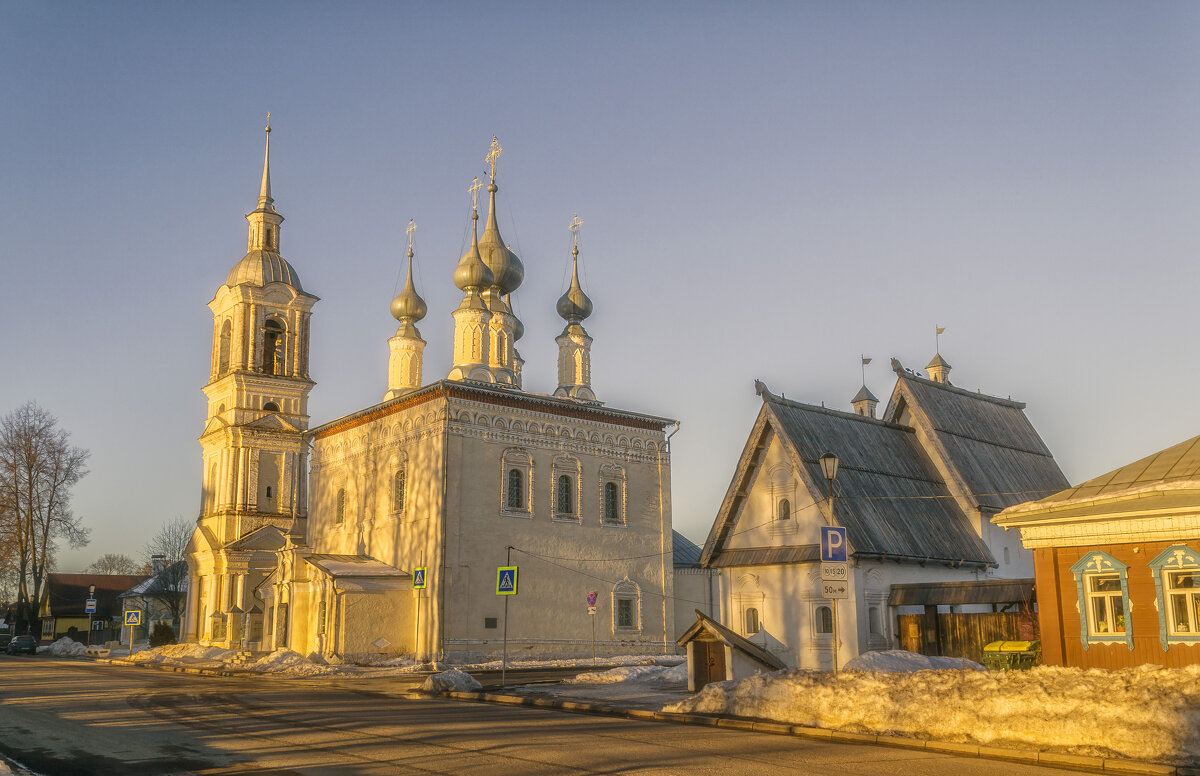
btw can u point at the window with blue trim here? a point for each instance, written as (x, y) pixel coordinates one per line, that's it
(1103, 587)
(1177, 586)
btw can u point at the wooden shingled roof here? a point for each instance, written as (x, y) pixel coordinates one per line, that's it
(995, 455)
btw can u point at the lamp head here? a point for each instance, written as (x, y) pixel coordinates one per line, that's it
(829, 466)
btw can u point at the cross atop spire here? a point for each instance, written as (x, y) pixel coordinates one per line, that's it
(412, 227)
(264, 192)
(493, 154)
(574, 227)
(474, 188)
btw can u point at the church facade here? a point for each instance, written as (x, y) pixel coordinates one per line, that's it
(382, 531)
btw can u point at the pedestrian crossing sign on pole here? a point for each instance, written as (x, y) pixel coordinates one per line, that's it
(419, 578)
(506, 580)
(133, 618)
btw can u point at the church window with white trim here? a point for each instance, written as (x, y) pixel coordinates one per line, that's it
(516, 482)
(627, 606)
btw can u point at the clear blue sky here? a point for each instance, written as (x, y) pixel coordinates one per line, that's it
(767, 189)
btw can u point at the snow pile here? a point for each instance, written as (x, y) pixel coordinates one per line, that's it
(67, 647)
(450, 681)
(580, 662)
(287, 662)
(1143, 713)
(171, 653)
(898, 660)
(645, 674)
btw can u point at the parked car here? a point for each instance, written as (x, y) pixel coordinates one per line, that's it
(19, 644)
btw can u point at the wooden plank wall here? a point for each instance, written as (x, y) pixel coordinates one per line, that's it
(959, 634)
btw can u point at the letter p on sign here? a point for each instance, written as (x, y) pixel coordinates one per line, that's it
(833, 544)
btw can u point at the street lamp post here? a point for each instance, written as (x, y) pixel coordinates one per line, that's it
(829, 467)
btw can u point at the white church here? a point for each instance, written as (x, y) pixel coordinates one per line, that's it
(312, 538)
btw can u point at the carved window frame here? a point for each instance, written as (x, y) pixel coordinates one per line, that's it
(521, 460)
(1175, 559)
(613, 474)
(1092, 566)
(568, 466)
(627, 590)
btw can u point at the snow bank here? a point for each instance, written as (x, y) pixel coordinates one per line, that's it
(450, 681)
(1144, 713)
(579, 662)
(285, 661)
(171, 653)
(645, 674)
(898, 660)
(67, 647)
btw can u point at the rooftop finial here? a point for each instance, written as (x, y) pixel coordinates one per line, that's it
(865, 361)
(412, 227)
(574, 227)
(264, 192)
(937, 338)
(474, 188)
(492, 155)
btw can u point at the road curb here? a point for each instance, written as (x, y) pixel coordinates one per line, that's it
(1056, 759)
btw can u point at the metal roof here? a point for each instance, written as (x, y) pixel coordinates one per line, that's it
(989, 591)
(767, 556)
(685, 552)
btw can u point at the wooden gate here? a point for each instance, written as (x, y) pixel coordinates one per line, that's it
(963, 635)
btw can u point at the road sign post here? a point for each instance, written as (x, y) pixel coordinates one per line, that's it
(420, 581)
(834, 574)
(89, 606)
(506, 585)
(591, 599)
(133, 618)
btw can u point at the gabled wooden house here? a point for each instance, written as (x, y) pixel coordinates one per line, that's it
(1117, 563)
(915, 492)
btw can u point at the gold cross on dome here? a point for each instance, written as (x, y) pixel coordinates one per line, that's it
(412, 227)
(474, 189)
(574, 227)
(492, 155)
(268, 121)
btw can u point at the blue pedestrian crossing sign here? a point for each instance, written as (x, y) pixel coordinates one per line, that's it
(506, 580)
(419, 578)
(133, 618)
(833, 544)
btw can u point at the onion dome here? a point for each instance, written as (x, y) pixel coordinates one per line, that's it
(471, 272)
(507, 270)
(409, 307)
(574, 305)
(518, 327)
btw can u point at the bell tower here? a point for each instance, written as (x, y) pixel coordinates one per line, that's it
(254, 449)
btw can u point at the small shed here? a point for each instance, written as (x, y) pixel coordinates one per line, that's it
(716, 654)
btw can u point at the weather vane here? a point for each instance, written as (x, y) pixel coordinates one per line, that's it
(474, 189)
(492, 155)
(412, 227)
(574, 227)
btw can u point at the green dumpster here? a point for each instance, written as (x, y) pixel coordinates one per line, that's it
(1008, 655)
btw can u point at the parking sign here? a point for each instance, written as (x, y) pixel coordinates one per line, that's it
(833, 544)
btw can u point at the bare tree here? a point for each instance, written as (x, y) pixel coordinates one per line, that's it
(112, 563)
(168, 547)
(38, 468)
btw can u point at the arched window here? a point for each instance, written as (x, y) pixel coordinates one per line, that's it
(341, 506)
(785, 509)
(752, 625)
(223, 347)
(273, 349)
(399, 483)
(874, 626)
(824, 619)
(627, 598)
(271, 407)
(516, 489)
(563, 502)
(612, 503)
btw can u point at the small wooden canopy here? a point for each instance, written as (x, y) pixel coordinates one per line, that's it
(715, 630)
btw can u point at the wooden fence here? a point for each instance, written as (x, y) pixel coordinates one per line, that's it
(963, 635)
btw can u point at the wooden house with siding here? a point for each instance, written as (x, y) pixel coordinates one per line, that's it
(915, 491)
(1117, 563)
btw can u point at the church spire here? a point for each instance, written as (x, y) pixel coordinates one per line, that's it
(407, 347)
(264, 220)
(574, 344)
(472, 318)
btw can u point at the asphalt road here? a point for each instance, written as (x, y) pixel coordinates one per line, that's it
(65, 717)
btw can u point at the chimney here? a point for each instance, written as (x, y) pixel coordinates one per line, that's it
(158, 563)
